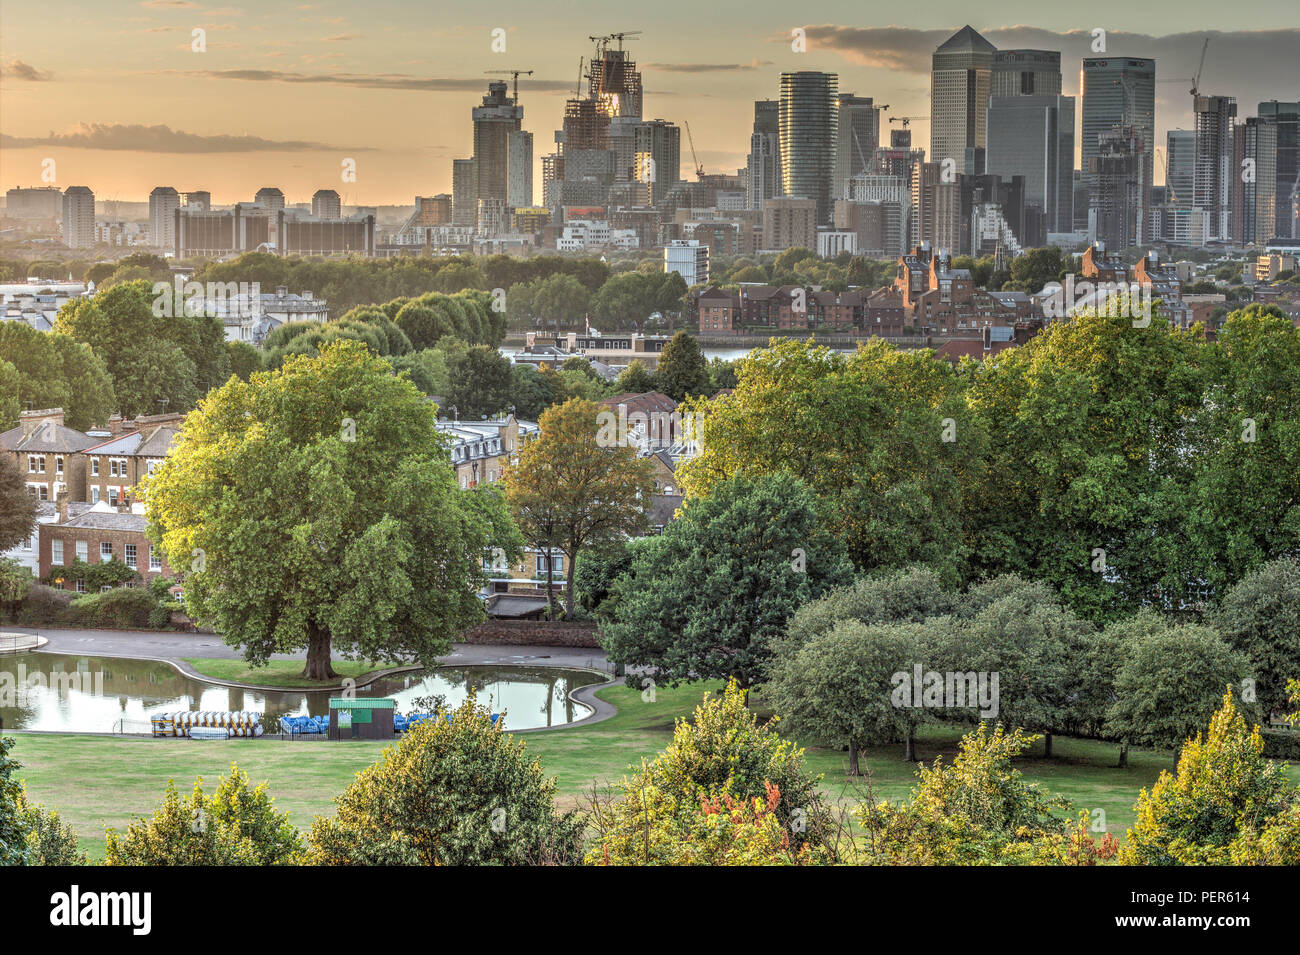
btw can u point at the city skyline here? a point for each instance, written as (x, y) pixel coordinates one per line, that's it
(282, 96)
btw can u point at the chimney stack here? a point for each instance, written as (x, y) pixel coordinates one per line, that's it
(29, 421)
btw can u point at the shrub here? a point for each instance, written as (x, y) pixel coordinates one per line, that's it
(13, 828)
(50, 841)
(236, 825)
(722, 754)
(1227, 804)
(122, 607)
(456, 791)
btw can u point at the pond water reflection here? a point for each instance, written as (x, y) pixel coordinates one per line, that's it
(47, 691)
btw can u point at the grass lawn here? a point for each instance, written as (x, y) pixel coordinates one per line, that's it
(98, 782)
(285, 674)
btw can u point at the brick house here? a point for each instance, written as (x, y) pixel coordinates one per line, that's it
(95, 533)
(114, 467)
(481, 450)
(717, 310)
(48, 455)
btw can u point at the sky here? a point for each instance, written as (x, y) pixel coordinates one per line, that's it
(282, 93)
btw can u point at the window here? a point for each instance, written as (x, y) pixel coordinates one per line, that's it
(58, 464)
(43, 493)
(94, 495)
(130, 556)
(81, 586)
(31, 464)
(112, 496)
(155, 559)
(94, 466)
(105, 550)
(40, 464)
(112, 467)
(56, 553)
(83, 551)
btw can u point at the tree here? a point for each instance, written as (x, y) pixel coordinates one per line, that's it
(883, 436)
(457, 790)
(1021, 632)
(1169, 683)
(315, 507)
(1244, 511)
(1087, 481)
(1226, 805)
(17, 505)
(245, 360)
(236, 825)
(912, 595)
(636, 380)
(151, 345)
(422, 324)
(479, 382)
(683, 370)
(838, 688)
(1260, 618)
(530, 391)
(52, 371)
(714, 591)
(572, 489)
(722, 749)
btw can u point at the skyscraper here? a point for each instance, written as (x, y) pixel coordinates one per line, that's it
(1033, 136)
(269, 197)
(658, 157)
(1118, 91)
(1026, 73)
(464, 203)
(1285, 117)
(1180, 161)
(163, 203)
(807, 118)
(764, 165)
(857, 136)
(1213, 171)
(1253, 182)
(519, 169)
(1118, 187)
(494, 120)
(960, 77)
(78, 217)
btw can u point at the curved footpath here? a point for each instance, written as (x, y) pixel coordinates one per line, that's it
(172, 647)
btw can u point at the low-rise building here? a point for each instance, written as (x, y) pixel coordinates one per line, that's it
(97, 533)
(48, 455)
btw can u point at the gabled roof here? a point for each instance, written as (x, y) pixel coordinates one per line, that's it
(45, 437)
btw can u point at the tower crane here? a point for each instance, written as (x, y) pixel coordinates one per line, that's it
(699, 169)
(512, 73)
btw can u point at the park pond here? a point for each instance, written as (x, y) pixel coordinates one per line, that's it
(75, 694)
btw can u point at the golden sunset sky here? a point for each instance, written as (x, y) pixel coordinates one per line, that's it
(114, 93)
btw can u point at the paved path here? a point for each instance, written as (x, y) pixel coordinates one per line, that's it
(173, 647)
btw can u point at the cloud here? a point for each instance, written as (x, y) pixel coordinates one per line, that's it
(169, 4)
(158, 139)
(379, 81)
(341, 37)
(18, 70)
(754, 64)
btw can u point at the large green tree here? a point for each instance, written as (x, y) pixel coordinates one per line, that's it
(882, 435)
(714, 591)
(17, 505)
(314, 508)
(683, 371)
(1260, 618)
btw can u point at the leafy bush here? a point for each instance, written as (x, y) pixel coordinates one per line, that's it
(1226, 805)
(456, 791)
(50, 841)
(122, 607)
(721, 755)
(236, 825)
(13, 827)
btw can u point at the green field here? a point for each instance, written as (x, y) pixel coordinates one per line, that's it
(98, 782)
(284, 674)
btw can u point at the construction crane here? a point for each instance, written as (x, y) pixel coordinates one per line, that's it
(512, 73)
(603, 40)
(905, 120)
(577, 90)
(699, 169)
(1196, 80)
